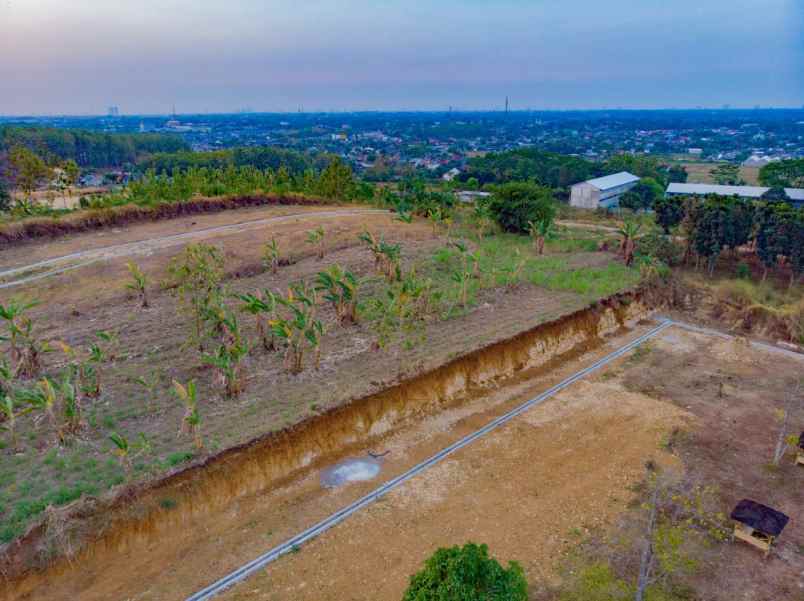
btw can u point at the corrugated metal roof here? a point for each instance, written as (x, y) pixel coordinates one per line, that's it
(796, 194)
(744, 191)
(612, 181)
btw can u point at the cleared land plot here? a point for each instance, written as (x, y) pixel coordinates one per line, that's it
(535, 479)
(701, 173)
(533, 489)
(78, 303)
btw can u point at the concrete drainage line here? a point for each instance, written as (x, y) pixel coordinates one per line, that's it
(292, 544)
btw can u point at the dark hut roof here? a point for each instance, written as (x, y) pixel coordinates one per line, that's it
(760, 517)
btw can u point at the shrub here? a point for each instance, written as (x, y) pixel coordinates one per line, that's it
(467, 574)
(661, 247)
(515, 204)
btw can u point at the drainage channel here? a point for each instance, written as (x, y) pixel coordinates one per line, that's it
(336, 518)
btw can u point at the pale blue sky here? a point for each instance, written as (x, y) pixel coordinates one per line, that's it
(80, 56)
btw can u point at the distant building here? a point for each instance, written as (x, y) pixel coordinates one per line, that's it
(451, 174)
(794, 195)
(695, 151)
(471, 195)
(602, 191)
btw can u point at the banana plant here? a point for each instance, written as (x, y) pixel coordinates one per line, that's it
(138, 284)
(628, 235)
(263, 306)
(436, 218)
(300, 329)
(8, 410)
(391, 256)
(316, 238)
(150, 384)
(191, 420)
(541, 231)
(6, 377)
(125, 451)
(86, 365)
(270, 256)
(340, 287)
(25, 349)
(228, 358)
(404, 217)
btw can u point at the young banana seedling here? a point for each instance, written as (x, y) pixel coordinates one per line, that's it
(126, 452)
(263, 306)
(191, 420)
(340, 288)
(25, 349)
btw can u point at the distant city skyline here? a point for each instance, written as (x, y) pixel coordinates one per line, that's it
(205, 56)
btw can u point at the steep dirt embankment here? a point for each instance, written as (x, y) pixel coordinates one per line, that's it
(139, 517)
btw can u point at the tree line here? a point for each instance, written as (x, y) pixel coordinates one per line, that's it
(561, 171)
(258, 157)
(773, 230)
(335, 181)
(88, 149)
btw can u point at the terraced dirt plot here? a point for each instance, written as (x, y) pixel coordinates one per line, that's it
(78, 303)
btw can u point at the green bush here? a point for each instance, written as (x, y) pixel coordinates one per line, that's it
(660, 247)
(513, 205)
(467, 574)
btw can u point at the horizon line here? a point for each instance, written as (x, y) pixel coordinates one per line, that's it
(449, 110)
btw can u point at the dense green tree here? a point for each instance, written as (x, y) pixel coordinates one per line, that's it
(669, 212)
(28, 169)
(337, 180)
(642, 196)
(546, 168)
(677, 174)
(516, 204)
(467, 574)
(783, 174)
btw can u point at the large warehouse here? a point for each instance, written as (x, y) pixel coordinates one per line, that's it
(794, 195)
(602, 191)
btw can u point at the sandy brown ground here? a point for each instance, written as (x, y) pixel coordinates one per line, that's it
(534, 488)
(504, 490)
(530, 490)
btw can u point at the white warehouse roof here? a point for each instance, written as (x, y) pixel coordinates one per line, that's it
(796, 194)
(744, 191)
(612, 181)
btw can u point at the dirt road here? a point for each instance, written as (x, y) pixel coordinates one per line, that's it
(32, 272)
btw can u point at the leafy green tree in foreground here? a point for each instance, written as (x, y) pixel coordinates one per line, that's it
(467, 574)
(514, 205)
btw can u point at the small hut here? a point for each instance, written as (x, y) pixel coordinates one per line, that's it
(800, 453)
(757, 524)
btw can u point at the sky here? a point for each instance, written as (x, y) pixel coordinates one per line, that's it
(145, 56)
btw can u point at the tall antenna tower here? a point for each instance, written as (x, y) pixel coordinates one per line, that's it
(506, 105)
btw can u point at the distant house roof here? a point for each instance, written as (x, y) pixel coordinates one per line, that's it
(612, 181)
(760, 517)
(795, 194)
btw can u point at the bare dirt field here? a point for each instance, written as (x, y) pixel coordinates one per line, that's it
(536, 487)
(701, 173)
